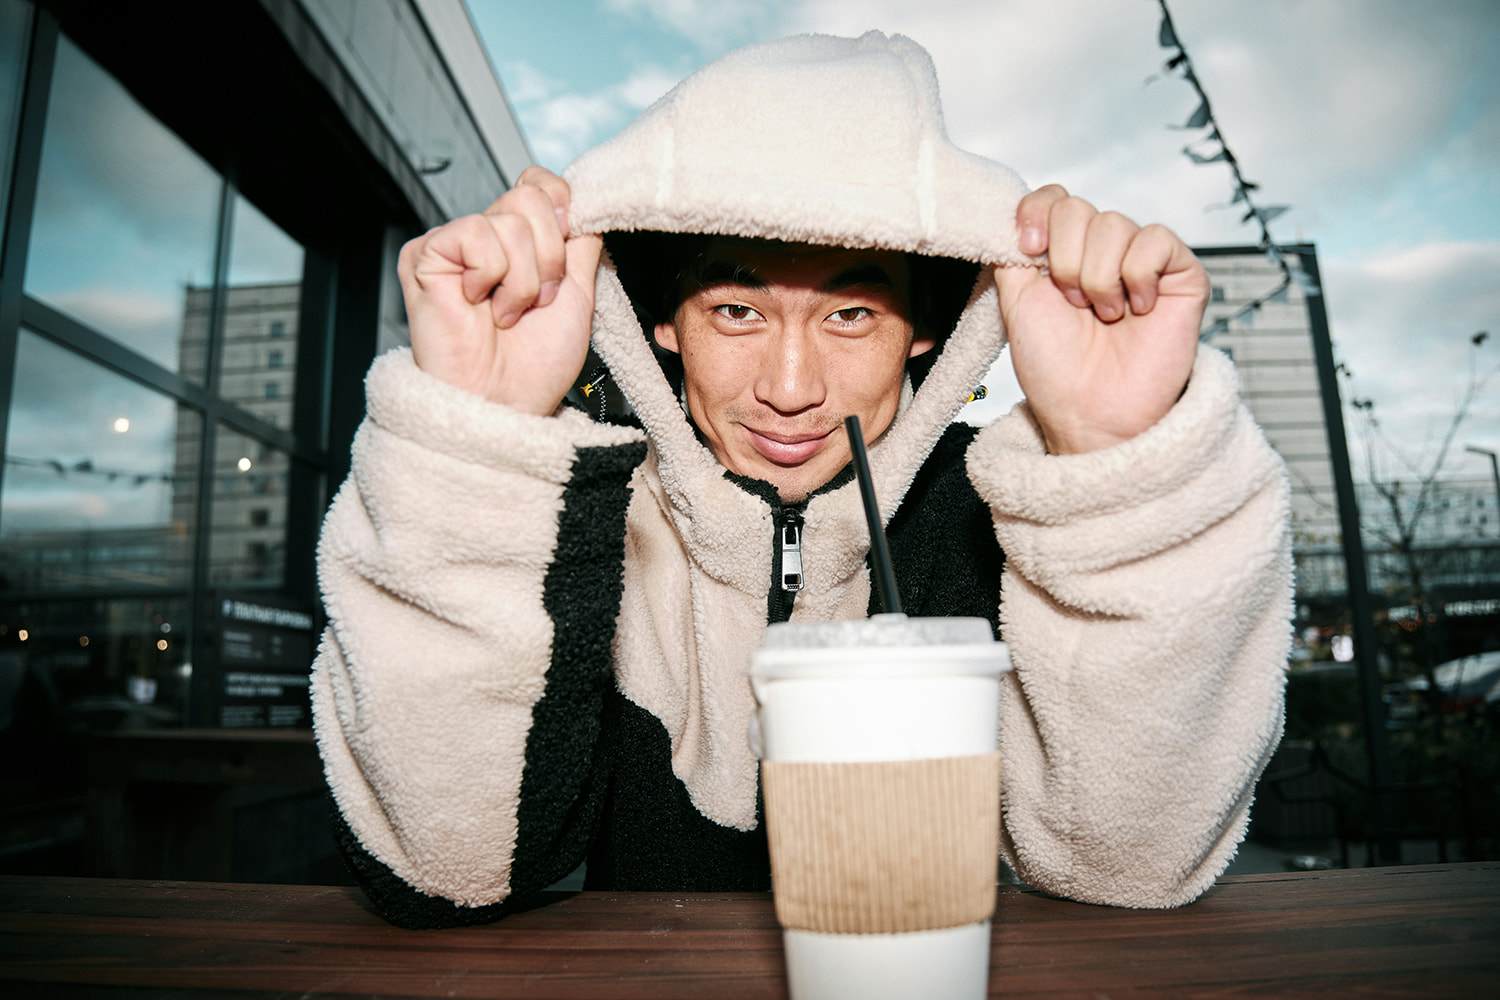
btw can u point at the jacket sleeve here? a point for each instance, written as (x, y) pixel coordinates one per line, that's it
(1147, 602)
(470, 568)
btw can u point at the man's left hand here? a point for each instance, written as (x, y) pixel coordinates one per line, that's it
(1103, 342)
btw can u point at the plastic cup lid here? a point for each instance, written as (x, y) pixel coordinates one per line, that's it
(879, 630)
(888, 645)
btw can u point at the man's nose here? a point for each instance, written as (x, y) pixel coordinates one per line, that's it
(791, 371)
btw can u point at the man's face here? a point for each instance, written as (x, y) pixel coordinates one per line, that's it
(782, 343)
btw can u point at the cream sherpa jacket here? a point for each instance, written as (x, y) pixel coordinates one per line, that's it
(539, 626)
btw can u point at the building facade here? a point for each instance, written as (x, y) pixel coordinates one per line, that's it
(1268, 327)
(203, 203)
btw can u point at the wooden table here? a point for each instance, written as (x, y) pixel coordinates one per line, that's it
(1427, 931)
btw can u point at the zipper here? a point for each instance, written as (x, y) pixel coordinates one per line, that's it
(790, 537)
(786, 561)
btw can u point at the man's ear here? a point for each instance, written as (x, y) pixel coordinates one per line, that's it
(666, 337)
(919, 345)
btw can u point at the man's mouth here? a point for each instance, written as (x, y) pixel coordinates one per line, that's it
(787, 448)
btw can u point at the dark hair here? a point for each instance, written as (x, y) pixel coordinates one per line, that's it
(660, 270)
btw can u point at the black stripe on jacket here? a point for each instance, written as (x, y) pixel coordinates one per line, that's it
(599, 773)
(566, 772)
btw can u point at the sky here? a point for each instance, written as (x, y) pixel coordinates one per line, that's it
(1377, 122)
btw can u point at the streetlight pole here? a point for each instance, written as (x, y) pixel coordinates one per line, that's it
(1494, 471)
(1366, 646)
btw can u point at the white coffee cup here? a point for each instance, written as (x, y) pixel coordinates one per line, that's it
(884, 689)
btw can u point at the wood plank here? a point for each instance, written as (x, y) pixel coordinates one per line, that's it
(1419, 931)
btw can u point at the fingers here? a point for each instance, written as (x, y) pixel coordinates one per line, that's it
(522, 284)
(1085, 249)
(465, 249)
(514, 254)
(1099, 260)
(1107, 239)
(583, 257)
(1032, 217)
(1156, 256)
(532, 233)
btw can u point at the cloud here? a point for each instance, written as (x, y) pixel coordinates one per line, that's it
(141, 318)
(63, 411)
(715, 26)
(1322, 101)
(560, 123)
(646, 86)
(525, 84)
(1378, 122)
(1403, 322)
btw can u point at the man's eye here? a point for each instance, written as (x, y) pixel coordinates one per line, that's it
(736, 312)
(851, 315)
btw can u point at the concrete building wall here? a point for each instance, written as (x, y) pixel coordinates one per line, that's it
(450, 119)
(1273, 352)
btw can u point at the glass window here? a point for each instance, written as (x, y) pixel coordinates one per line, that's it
(100, 479)
(15, 20)
(77, 665)
(251, 484)
(261, 305)
(126, 220)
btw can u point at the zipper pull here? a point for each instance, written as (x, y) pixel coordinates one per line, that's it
(791, 552)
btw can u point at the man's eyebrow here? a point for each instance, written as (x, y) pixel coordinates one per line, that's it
(861, 275)
(728, 272)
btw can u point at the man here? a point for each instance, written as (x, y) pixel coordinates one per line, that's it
(539, 624)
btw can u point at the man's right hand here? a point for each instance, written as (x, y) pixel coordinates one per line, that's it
(501, 304)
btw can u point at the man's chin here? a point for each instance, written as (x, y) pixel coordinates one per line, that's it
(793, 482)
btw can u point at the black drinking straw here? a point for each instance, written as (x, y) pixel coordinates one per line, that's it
(880, 555)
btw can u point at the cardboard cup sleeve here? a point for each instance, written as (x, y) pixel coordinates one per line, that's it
(883, 847)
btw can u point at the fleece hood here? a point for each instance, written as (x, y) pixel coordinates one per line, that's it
(811, 139)
(846, 147)
(814, 139)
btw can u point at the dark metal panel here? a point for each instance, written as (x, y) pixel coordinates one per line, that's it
(356, 328)
(17, 236)
(307, 485)
(318, 58)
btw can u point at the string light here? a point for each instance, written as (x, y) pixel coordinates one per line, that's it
(1211, 147)
(86, 467)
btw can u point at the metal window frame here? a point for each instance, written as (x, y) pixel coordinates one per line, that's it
(306, 442)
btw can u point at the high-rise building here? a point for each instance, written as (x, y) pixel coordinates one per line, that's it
(1267, 326)
(1272, 348)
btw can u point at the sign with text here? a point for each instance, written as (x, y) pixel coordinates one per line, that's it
(265, 653)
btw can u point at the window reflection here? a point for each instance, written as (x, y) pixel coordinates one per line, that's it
(75, 666)
(126, 216)
(99, 491)
(260, 317)
(251, 480)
